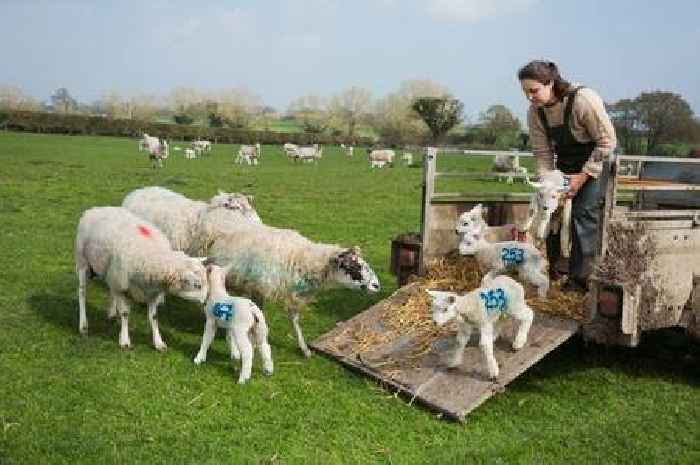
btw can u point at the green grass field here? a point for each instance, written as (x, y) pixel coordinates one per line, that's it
(70, 399)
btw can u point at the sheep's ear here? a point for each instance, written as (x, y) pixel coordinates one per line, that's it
(451, 299)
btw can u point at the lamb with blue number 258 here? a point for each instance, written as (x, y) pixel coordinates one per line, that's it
(482, 308)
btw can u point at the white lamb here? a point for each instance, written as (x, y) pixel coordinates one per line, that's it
(190, 154)
(377, 163)
(407, 158)
(290, 150)
(248, 154)
(499, 257)
(186, 223)
(240, 318)
(481, 308)
(509, 165)
(136, 261)
(280, 264)
(385, 155)
(550, 195)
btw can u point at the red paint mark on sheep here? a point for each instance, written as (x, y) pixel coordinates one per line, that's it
(144, 231)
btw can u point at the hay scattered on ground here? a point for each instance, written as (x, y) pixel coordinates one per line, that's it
(409, 318)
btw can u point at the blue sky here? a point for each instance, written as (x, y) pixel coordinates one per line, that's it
(284, 49)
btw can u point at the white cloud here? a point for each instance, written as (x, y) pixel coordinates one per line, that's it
(472, 11)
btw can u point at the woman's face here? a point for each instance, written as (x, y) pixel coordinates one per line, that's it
(537, 93)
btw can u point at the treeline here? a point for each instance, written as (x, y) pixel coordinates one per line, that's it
(74, 124)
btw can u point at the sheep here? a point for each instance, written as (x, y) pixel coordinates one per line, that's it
(248, 154)
(407, 158)
(473, 221)
(188, 223)
(240, 317)
(264, 262)
(377, 163)
(157, 150)
(509, 165)
(387, 156)
(136, 261)
(290, 150)
(349, 149)
(549, 197)
(308, 153)
(499, 257)
(201, 146)
(482, 307)
(190, 154)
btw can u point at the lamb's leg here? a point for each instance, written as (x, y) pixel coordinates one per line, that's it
(486, 344)
(293, 314)
(207, 337)
(243, 341)
(260, 330)
(82, 291)
(123, 308)
(565, 231)
(155, 331)
(536, 277)
(524, 315)
(464, 332)
(235, 353)
(112, 310)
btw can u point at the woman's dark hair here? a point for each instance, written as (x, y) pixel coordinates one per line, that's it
(545, 72)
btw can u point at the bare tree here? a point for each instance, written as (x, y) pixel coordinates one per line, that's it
(238, 107)
(350, 106)
(12, 98)
(312, 111)
(63, 102)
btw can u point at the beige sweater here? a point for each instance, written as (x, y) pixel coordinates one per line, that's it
(589, 122)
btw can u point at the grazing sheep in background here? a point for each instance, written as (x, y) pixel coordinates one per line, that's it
(349, 150)
(290, 150)
(509, 165)
(387, 156)
(407, 158)
(190, 154)
(377, 164)
(247, 154)
(499, 257)
(239, 317)
(308, 153)
(550, 195)
(201, 146)
(481, 308)
(280, 264)
(136, 261)
(188, 223)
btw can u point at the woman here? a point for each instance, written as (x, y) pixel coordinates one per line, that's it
(570, 131)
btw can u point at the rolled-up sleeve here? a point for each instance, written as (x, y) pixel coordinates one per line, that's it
(538, 141)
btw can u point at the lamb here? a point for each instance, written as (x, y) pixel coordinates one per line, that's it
(240, 317)
(473, 221)
(157, 150)
(407, 158)
(136, 261)
(549, 197)
(308, 154)
(377, 163)
(500, 257)
(188, 223)
(290, 150)
(248, 154)
(190, 154)
(481, 308)
(509, 165)
(264, 262)
(201, 146)
(387, 156)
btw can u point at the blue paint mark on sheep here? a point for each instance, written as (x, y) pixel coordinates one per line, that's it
(495, 300)
(223, 311)
(512, 256)
(256, 269)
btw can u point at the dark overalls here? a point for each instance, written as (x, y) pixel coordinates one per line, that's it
(571, 155)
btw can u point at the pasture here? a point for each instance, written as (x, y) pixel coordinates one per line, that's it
(65, 398)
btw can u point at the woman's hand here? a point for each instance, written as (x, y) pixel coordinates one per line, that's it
(576, 181)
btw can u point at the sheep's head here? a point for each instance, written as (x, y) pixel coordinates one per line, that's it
(471, 221)
(190, 281)
(240, 203)
(443, 306)
(351, 271)
(469, 243)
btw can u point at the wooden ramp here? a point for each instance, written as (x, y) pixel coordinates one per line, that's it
(453, 392)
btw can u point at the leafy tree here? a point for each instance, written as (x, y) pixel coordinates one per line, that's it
(183, 119)
(659, 117)
(440, 114)
(215, 121)
(499, 127)
(4, 119)
(63, 102)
